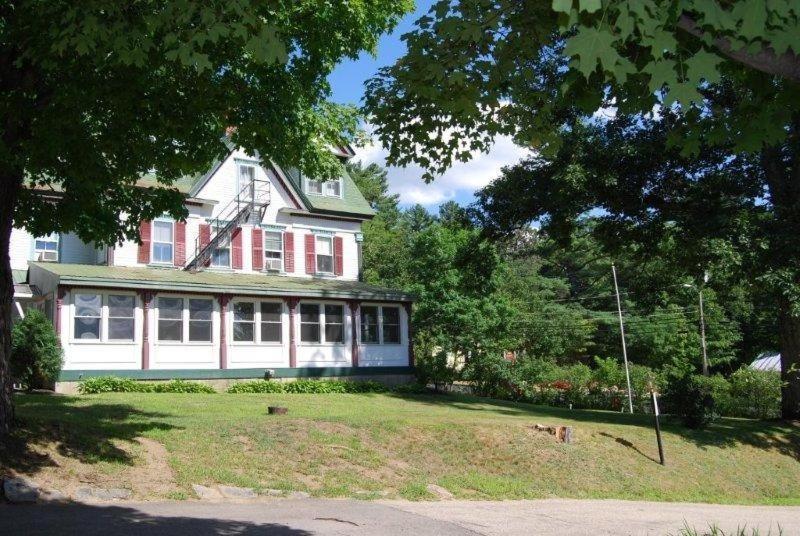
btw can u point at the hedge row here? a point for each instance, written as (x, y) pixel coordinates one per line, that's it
(112, 384)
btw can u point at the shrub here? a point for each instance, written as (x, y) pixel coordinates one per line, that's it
(113, 384)
(307, 387)
(434, 368)
(491, 376)
(36, 356)
(691, 397)
(256, 386)
(753, 393)
(182, 386)
(414, 388)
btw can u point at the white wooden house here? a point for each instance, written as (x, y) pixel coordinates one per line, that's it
(263, 277)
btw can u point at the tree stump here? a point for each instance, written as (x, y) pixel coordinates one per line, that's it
(277, 410)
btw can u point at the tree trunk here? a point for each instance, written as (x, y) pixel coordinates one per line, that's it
(789, 330)
(10, 187)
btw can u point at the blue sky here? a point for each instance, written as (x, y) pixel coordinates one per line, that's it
(460, 183)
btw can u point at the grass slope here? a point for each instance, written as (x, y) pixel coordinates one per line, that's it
(361, 445)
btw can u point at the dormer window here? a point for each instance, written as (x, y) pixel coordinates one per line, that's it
(331, 188)
(163, 240)
(46, 248)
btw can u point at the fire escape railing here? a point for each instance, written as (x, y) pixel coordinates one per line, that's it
(252, 198)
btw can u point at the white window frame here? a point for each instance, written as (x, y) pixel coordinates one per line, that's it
(104, 317)
(52, 237)
(317, 238)
(107, 313)
(325, 188)
(279, 250)
(244, 164)
(153, 242)
(257, 341)
(380, 341)
(322, 324)
(184, 320)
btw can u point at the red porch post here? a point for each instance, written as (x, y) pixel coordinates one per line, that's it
(292, 304)
(354, 321)
(223, 337)
(146, 297)
(407, 307)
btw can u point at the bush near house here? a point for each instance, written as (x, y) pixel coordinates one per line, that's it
(36, 356)
(113, 384)
(307, 387)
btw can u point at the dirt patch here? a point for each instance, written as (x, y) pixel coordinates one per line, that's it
(154, 478)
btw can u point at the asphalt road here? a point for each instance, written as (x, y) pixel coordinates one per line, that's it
(303, 517)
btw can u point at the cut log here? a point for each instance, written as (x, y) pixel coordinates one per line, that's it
(277, 410)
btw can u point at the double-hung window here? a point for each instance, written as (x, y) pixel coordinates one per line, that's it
(333, 188)
(244, 322)
(324, 253)
(271, 322)
(221, 256)
(321, 323)
(88, 316)
(121, 309)
(200, 311)
(163, 236)
(46, 248)
(380, 324)
(245, 180)
(108, 317)
(273, 250)
(313, 187)
(170, 319)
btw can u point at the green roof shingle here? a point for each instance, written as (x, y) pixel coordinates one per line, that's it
(352, 201)
(170, 279)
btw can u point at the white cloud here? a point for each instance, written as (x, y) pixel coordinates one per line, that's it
(460, 181)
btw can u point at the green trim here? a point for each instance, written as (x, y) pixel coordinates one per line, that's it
(234, 374)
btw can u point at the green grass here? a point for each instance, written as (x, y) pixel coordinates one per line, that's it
(364, 445)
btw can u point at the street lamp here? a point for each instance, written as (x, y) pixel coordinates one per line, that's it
(702, 322)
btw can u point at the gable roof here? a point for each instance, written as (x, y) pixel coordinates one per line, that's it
(169, 279)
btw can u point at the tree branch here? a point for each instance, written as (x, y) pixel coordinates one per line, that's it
(787, 65)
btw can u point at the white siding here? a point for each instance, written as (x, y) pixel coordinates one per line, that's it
(21, 249)
(71, 249)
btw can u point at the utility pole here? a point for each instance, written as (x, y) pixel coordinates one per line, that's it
(703, 334)
(622, 333)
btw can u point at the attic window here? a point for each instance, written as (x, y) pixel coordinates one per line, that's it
(332, 188)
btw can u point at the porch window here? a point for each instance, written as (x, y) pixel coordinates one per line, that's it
(200, 320)
(88, 314)
(273, 250)
(324, 252)
(271, 325)
(120, 317)
(380, 324)
(390, 325)
(46, 248)
(162, 241)
(243, 322)
(369, 324)
(309, 322)
(170, 319)
(334, 323)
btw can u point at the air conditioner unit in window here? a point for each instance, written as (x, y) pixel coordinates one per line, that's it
(272, 265)
(51, 256)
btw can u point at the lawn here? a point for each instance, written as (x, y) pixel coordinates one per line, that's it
(381, 445)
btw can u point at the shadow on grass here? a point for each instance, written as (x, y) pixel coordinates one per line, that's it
(625, 443)
(86, 433)
(125, 521)
(722, 433)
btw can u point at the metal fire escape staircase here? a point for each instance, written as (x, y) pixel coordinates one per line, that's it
(250, 203)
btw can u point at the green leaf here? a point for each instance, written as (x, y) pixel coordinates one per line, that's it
(661, 42)
(562, 6)
(590, 6)
(591, 46)
(661, 73)
(753, 17)
(703, 65)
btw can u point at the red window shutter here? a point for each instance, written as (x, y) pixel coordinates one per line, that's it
(288, 251)
(311, 257)
(144, 248)
(180, 243)
(258, 249)
(236, 249)
(338, 259)
(205, 237)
